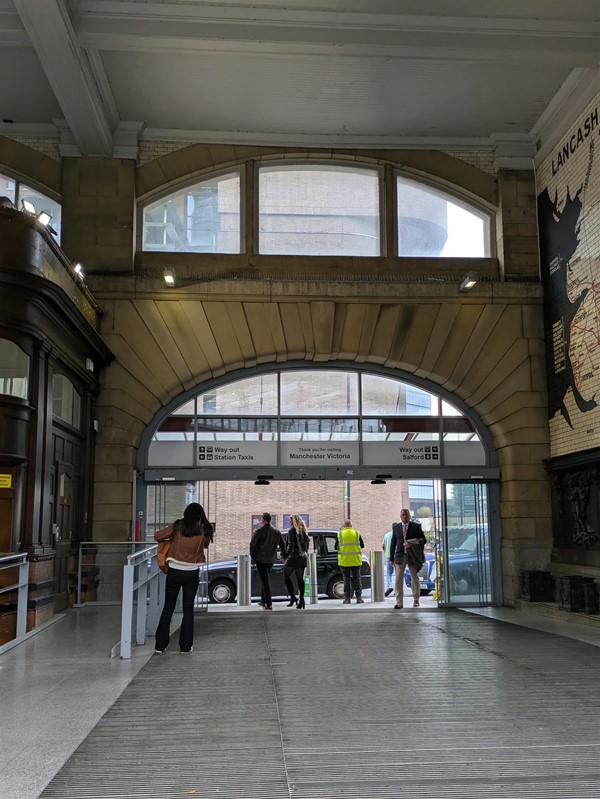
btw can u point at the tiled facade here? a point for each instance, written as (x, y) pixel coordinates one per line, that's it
(572, 173)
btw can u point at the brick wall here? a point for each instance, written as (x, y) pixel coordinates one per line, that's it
(231, 505)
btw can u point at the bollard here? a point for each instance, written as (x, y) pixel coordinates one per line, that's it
(243, 581)
(312, 576)
(377, 576)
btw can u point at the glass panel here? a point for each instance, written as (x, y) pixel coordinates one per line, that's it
(66, 402)
(41, 204)
(431, 224)
(402, 428)
(382, 395)
(8, 188)
(200, 218)
(187, 409)
(14, 370)
(459, 429)
(345, 429)
(319, 392)
(465, 545)
(236, 429)
(450, 410)
(318, 210)
(253, 395)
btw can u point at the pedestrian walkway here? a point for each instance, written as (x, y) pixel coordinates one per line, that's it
(363, 702)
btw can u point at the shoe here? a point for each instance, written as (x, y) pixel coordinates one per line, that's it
(159, 651)
(301, 604)
(416, 603)
(398, 607)
(187, 651)
(346, 602)
(260, 604)
(360, 600)
(268, 607)
(389, 591)
(291, 603)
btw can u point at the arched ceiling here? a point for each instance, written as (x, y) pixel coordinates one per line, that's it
(421, 73)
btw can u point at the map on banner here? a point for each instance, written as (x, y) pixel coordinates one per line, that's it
(569, 223)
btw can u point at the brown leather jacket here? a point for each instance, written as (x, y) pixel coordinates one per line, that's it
(186, 550)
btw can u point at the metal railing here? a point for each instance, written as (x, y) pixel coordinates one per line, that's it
(143, 593)
(97, 578)
(21, 587)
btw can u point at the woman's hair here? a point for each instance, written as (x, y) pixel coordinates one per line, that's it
(194, 522)
(299, 527)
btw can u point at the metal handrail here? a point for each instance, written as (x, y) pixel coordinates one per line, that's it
(22, 588)
(141, 584)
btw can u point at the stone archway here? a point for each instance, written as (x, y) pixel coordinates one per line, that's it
(490, 355)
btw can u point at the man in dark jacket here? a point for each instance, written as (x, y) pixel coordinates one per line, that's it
(407, 549)
(263, 546)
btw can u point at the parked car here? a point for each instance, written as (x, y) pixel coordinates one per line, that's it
(463, 557)
(222, 574)
(467, 558)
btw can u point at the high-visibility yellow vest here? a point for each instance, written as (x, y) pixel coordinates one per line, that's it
(349, 553)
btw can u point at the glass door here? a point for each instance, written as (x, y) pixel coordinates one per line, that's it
(464, 546)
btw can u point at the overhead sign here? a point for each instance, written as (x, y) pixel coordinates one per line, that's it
(326, 453)
(401, 453)
(261, 454)
(238, 453)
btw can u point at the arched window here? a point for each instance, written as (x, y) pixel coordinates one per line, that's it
(18, 192)
(434, 224)
(14, 370)
(204, 217)
(318, 209)
(313, 209)
(66, 401)
(382, 421)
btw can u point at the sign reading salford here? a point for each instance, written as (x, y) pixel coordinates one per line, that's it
(400, 453)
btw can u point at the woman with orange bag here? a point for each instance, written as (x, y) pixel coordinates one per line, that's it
(189, 537)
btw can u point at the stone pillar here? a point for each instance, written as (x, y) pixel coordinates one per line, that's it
(516, 225)
(98, 222)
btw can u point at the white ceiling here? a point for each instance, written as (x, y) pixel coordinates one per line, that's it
(378, 73)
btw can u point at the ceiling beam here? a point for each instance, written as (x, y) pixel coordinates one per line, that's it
(69, 73)
(237, 27)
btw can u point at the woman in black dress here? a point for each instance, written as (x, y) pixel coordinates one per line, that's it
(297, 550)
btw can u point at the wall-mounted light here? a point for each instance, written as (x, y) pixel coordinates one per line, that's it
(468, 283)
(89, 365)
(27, 206)
(78, 269)
(169, 277)
(43, 218)
(380, 479)
(263, 480)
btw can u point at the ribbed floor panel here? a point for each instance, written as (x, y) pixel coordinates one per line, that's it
(379, 705)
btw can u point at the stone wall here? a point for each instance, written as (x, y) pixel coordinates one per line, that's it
(486, 348)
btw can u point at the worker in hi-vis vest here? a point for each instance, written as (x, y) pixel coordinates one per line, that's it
(349, 544)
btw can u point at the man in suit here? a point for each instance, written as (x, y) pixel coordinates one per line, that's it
(407, 549)
(263, 548)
